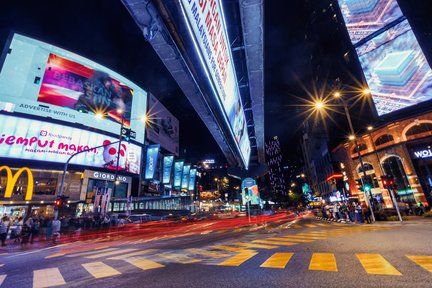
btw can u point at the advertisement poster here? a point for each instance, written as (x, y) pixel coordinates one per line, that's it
(252, 195)
(178, 169)
(40, 79)
(396, 69)
(364, 17)
(22, 138)
(185, 176)
(212, 40)
(192, 177)
(162, 126)
(151, 161)
(167, 168)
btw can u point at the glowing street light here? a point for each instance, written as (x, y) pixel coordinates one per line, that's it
(337, 94)
(319, 105)
(351, 137)
(366, 91)
(369, 128)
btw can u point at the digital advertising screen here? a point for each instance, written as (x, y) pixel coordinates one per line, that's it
(162, 126)
(167, 168)
(41, 79)
(191, 186)
(178, 170)
(22, 138)
(151, 161)
(364, 17)
(207, 23)
(185, 176)
(396, 69)
(252, 195)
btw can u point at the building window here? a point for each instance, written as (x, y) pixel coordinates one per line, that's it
(419, 129)
(384, 139)
(367, 167)
(360, 147)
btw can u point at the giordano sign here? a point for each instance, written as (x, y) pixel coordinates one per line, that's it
(12, 179)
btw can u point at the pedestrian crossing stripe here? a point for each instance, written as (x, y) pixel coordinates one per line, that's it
(376, 264)
(100, 270)
(180, 258)
(323, 262)
(143, 264)
(277, 260)
(228, 248)
(280, 243)
(238, 259)
(252, 245)
(423, 261)
(47, 278)
(2, 278)
(203, 252)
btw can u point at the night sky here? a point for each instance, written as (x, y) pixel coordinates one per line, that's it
(103, 31)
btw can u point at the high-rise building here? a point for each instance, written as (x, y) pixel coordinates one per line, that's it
(274, 162)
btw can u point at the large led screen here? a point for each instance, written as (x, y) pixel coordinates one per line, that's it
(364, 17)
(162, 126)
(207, 23)
(22, 138)
(396, 69)
(41, 79)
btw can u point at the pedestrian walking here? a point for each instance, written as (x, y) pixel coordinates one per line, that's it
(4, 226)
(366, 213)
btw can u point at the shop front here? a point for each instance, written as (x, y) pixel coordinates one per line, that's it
(421, 156)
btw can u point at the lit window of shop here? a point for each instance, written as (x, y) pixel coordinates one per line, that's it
(383, 139)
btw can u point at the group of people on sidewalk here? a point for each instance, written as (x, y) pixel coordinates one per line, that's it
(349, 212)
(23, 231)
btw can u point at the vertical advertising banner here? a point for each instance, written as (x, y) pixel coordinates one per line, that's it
(185, 176)
(178, 169)
(253, 193)
(167, 167)
(192, 179)
(151, 161)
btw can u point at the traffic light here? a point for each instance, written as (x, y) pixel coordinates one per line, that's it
(366, 188)
(359, 185)
(388, 182)
(60, 201)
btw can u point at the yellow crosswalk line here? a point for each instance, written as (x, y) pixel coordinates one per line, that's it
(100, 270)
(280, 243)
(143, 264)
(91, 252)
(292, 239)
(2, 278)
(105, 254)
(311, 237)
(277, 260)
(376, 264)
(251, 245)
(128, 255)
(203, 252)
(424, 261)
(238, 259)
(47, 278)
(54, 255)
(228, 248)
(310, 225)
(323, 262)
(183, 259)
(296, 226)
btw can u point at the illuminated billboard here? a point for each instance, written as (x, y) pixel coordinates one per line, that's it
(44, 80)
(163, 127)
(191, 186)
(167, 167)
(22, 138)
(151, 161)
(185, 176)
(364, 17)
(206, 23)
(178, 169)
(252, 195)
(396, 69)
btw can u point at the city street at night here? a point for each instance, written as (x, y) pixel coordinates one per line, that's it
(304, 252)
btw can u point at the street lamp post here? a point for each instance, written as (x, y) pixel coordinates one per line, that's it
(362, 179)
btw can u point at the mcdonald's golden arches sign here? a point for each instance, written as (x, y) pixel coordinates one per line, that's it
(12, 179)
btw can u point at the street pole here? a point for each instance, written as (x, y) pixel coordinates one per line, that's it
(118, 156)
(347, 114)
(66, 167)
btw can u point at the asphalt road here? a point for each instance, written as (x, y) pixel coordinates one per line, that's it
(301, 253)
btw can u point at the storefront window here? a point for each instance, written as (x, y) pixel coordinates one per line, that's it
(393, 166)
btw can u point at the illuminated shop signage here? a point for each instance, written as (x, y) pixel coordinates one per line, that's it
(22, 138)
(12, 179)
(207, 24)
(192, 177)
(185, 176)
(422, 153)
(107, 176)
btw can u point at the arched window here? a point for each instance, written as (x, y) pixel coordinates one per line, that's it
(419, 129)
(384, 139)
(367, 167)
(360, 147)
(393, 166)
